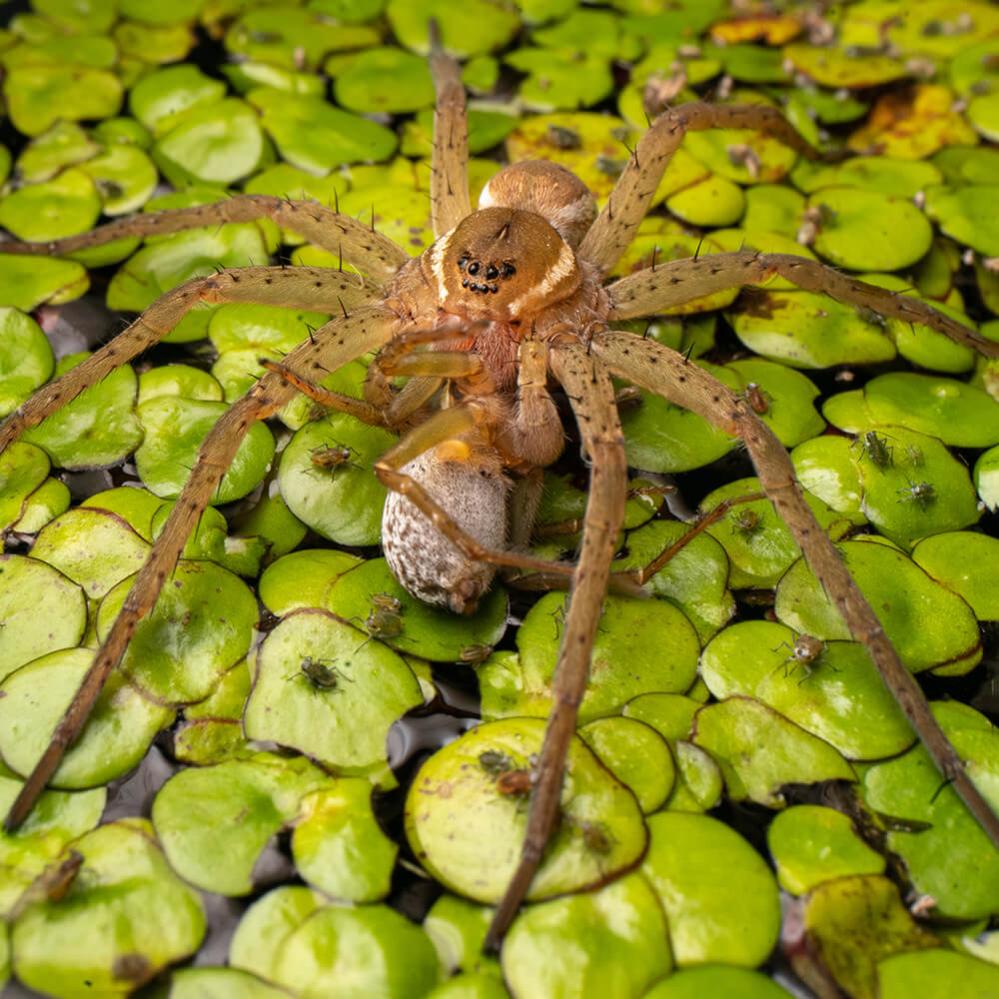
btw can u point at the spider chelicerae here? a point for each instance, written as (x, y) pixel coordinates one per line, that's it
(508, 303)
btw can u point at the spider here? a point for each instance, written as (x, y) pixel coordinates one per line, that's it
(508, 303)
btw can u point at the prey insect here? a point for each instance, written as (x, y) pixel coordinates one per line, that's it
(510, 304)
(322, 674)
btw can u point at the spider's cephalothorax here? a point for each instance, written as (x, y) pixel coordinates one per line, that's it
(501, 264)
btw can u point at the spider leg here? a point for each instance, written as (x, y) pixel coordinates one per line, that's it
(316, 288)
(372, 254)
(357, 408)
(616, 226)
(589, 388)
(658, 369)
(336, 343)
(449, 200)
(655, 290)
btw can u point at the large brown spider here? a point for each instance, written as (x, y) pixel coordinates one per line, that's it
(509, 300)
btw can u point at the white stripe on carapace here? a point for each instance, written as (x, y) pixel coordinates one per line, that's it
(437, 255)
(559, 271)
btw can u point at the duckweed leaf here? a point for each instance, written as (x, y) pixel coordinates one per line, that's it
(26, 359)
(695, 579)
(987, 477)
(114, 740)
(160, 99)
(787, 396)
(868, 230)
(719, 896)
(175, 430)
(922, 489)
(558, 80)
(201, 625)
(40, 611)
(214, 821)
(827, 467)
(852, 923)
(125, 178)
(963, 561)
(636, 755)
(338, 846)
(178, 380)
(641, 646)
(839, 696)
(458, 929)
(758, 544)
(385, 79)
(963, 214)
(49, 500)
(714, 201)
(811, 844)
(475, 27)
(928, 625)
(38, 96)
(805, 330)
(268, 329)
(949, 858)
(759, 751)
(773, 208)
(23, 468)
(96, 429)
(958, 414)
(421, 629)
(328, 690)
(151, 918)
(601, 832)
(343, 503)
(932, 974)
(611, 941)
(94, 548)
(266, 926)
(29, 281)
(311, 134)
(303, 579)
(882, 174)
(836, 68)
(64, 144)
(136, 507)
(64, 206)
(220, 983)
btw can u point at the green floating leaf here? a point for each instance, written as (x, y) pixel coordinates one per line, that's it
(480, 777)
(160, 99)
(67, 205)
(915, 487)
(303, 579)
(613, 941)
(811, 844)
(49, 500)
(125, 178)
(114, 739)
(40, 611)
(23, 468)
(385, 79)
(759, 751)
(987, 477)
(838, 696)
(136, 507)
(851, 923)
(338, 845)
(26, 359)
(178, 380)
(963, 213)
(29, 281)
(214, 821)
(175, 430)
(805, 330)
(963, 561)
(636, 755)
(720, 897)
(558, 80)
(291, 938)
(883, 174)
(152, 44)
(458, 930)
(369, 596)
(946, 853)
(785, 396)
(96, 429)
(773, 208)
(202, 624)
(316, 137)
(328, 690)
(836, 68)
(475, 27)
(64, 144)
(827, 467)
(150, 918)
(220, 983)
(38, 96)
(932, 974)
(967, 164)
(344, 502)
(214, 143)
(929, 626)
(714, 201)
(958, 414)
(695, 579)
(717, 980)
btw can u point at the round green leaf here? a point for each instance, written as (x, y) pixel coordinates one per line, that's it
(385, 79)
(26, 359)
(125, 178)
(23, 468)
(716, 980)
(38, 96)
(303, 579)
(29, 281)
(67, 205)
(932, 974)
(964, 562)
(476, 26)
(160, 99)
(220, 983)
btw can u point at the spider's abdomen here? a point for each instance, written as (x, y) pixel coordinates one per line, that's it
(473, 493)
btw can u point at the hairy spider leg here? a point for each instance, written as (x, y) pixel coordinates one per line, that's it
(591, 393)
(658, 369)
(654, 291)
(336, 343)
(355, 243)
(616, 226)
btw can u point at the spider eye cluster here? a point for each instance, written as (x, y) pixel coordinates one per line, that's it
(482, 277)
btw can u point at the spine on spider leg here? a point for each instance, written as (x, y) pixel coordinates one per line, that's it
(660, 370)
(336, 343)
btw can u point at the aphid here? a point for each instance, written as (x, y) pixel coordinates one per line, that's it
(914, 455)
(385, 617)
(596, 837)
(746, 522)
(331, 456)
(563, 138)
(922, 494)
(495, 763)
(875, 448)
(610, 165)
(322, 673)
(472, 655)
(757, 398)
(805, 653)
(511, 781)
